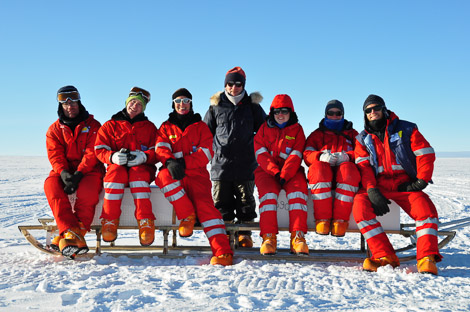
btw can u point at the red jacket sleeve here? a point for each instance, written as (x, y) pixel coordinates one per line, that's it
(103, 144)
(263, 157)
(312, 147)
(56, 148)
(425, 155)
(204, 153)
(293, 162)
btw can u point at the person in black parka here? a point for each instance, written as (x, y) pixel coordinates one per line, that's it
(233, 118)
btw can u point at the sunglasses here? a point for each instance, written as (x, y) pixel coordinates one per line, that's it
(374, 108)
(334, 113)
(184, 101)
(139, 91)
(73, 96)
(237, 84)
(283, 111)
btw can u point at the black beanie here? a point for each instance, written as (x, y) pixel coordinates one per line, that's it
(67, 89)
(373, 99)
(334, 104)
(181, 92)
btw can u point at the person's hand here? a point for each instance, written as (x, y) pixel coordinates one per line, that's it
(341, 158)
(120, 158)
(175, 168)
(74, 180)
(281, 181)
(65, 176)
(140, 158)
(415, 186)
(378, 201)
(329, 158)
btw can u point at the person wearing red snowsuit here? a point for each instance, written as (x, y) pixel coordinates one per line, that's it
(279, 144)
(184, 146)
(329, 153)
(128, 132)
(396, 163)
(75, 168)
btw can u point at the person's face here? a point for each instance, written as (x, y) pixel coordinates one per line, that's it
(374, 112)
(334, 114)
(182, 105)
(134, 108)
(70, 108)
(281, 115)
(234, 87)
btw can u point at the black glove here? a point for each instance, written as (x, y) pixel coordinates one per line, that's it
(415, 186)
(65, 176)
(72, 183)
(176, 168)
(281, 180)
(379, 202)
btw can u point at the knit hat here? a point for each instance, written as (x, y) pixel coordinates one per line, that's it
(139, 94)
(181, 92)
(235, 74)
(282, 100)
(68, 90)
(373, 99)
(334, 104)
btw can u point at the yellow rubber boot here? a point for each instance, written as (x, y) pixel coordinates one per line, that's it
(371, 264)
(298, 245)
(269, 246)
(427, 265)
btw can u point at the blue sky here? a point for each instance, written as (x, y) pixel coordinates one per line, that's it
(415, 54)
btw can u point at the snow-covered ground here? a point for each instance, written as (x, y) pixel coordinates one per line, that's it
(31, 280)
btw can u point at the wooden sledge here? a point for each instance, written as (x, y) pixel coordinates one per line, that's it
(167, 223)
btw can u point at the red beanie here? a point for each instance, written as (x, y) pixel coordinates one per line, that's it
(235, 74)
(282, 100)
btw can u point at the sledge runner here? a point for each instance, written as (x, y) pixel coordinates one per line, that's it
(70, 141)
(126, 143)
(233, 118)
(279, 144)
(329, 153)
(184, 146)
(396, 163)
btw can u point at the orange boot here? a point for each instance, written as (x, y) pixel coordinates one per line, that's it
(55, 242)
(322, 226)
(146, 231)
(371, 264)
(225, 259)
(82, 246)
(339, 228)
(269, 245)
(109, 229)
(298, 245)
(187, 225)
(245, 241)
(70, 242)
(427, 265)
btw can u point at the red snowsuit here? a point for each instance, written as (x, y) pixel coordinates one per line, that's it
(323, 178)
(73, 151)
(280, 151)
(119, 133)
(192, 194)
(390, 175)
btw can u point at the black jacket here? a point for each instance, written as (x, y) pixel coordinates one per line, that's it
(234, 127)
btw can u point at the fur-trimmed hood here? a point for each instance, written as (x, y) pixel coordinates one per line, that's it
(256, 98)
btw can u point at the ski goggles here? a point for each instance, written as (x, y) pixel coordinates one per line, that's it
(283, 111)
(184, 101)
(376, 108)
(73, 96)
(237, 84)
(334, 113)
(139, 91)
